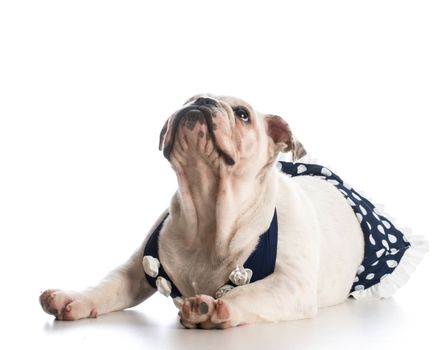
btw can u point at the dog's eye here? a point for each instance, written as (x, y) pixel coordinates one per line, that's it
(242, 114)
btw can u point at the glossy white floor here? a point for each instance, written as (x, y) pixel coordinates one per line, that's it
(413, 319)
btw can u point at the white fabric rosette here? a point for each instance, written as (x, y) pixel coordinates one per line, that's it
(223, 290)
(240, 275)
(151, 265)
(163, 286)
(178, 302)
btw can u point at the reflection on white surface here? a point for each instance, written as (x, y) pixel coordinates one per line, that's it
(153, 325)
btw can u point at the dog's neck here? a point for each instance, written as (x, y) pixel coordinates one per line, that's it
(211, 208)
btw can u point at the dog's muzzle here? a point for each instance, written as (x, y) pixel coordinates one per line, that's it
(201, 111)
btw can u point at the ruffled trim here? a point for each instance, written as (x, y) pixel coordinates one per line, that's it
(413, 255)
(401, 274)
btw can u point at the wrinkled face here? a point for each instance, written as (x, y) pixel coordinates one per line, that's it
(224, 132)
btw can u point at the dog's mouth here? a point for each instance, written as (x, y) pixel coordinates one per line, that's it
(189, 117)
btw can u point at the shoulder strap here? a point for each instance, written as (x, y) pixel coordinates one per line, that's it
(152, 250)
(263, 259)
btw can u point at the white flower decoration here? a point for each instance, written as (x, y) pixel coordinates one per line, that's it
(163, 286)
(240, 276)
(223, 290)
(178, 302)
(151, 265)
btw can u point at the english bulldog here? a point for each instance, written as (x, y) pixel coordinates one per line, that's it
(246, 238)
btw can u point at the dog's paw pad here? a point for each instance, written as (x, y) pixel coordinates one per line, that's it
(197, 309)
(205, 312)
(66, 306)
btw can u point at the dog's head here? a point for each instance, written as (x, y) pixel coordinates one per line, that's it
(225, 132)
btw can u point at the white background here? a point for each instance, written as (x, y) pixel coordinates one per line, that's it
(85, 87)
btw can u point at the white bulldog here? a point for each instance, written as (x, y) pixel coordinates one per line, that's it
(224, 155)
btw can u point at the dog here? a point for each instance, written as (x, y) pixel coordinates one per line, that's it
(243, 242)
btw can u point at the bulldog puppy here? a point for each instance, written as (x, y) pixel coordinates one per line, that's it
(224, 154)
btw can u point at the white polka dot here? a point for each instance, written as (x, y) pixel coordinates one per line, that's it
(375, 215)
(360, 269)
(369, 226)
(386, 224)
(343, 192)
(301, 168)
(359, 217)
(334, 182)
(392, 238)
(380, 252)
(348, 186)
(394, 251)
(356, 279)
(385, 244)
(326, 172)
(356, 196)
(372, 240)
(370, 276)
(405, 239)
(375, 263)
(359, 287)
(363, 210)
(351, 203)
(381, 230)
(391, 263)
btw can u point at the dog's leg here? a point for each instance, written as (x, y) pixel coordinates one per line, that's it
(122, 288)
(278, 297)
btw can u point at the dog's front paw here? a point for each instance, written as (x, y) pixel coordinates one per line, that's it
(67, 306)
(203, 311)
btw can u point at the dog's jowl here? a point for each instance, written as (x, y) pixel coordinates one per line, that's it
(247, 238)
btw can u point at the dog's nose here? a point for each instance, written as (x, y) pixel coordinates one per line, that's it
(205, 101)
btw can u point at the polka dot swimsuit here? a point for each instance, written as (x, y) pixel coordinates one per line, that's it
(385, 245)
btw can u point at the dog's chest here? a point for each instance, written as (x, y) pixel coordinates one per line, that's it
(195, 272)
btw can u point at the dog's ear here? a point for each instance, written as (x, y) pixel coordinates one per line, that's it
(279, 131)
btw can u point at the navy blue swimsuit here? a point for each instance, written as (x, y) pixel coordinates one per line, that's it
(385, 245)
